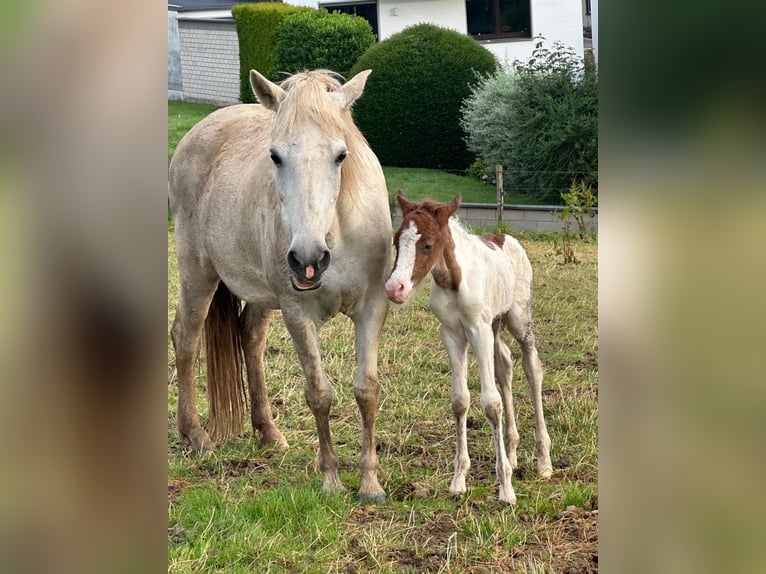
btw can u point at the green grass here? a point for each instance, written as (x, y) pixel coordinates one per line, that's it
(246, 508)
(181, 118)
(416, 183)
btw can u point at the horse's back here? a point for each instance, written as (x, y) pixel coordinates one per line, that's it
(223, 135)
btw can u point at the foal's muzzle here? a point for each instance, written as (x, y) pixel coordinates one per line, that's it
(306, 274)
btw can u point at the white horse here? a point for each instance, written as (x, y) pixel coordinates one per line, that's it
(480, 285)
(281, 205)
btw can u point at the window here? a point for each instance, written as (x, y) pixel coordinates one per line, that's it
(367, 10)
(489, 19)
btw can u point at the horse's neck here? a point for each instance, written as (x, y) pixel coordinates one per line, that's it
(447, 273)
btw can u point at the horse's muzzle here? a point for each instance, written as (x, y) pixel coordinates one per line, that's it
(307, 276)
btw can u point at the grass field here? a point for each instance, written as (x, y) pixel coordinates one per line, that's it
(247, 509)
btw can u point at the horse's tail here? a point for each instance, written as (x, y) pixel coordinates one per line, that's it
(226, 391)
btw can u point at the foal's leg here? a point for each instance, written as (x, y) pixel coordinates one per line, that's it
(457, 350)
(368, 323)
(504, 378)
(521, 327)
(194, 298)
(255, 329)
(319, 394)
(482, 341)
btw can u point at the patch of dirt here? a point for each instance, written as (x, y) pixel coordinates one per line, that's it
(232, 468)
(175, 486)
(571, 538)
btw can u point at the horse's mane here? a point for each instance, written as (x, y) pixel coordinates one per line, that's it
(308, 101)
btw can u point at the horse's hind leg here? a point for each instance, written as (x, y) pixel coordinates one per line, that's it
(504, 378)
(520, 324)
(255, 329)
(193, 304)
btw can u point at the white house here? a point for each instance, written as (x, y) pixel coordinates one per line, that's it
(203, 49)
(505, 27)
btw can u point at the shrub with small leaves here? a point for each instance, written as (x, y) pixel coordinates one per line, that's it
(317, 39)
(539, 121)
(410, 112)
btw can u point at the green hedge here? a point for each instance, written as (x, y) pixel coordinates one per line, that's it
(317, 39)
(410, 111)
(256, 28)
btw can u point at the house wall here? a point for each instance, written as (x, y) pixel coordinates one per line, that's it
(209, 60)
(556, 20)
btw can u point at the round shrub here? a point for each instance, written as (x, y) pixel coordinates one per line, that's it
(410, 111)
(317, 39)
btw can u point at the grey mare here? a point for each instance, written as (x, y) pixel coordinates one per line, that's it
(280, 205)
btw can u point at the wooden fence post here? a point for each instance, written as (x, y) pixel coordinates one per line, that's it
(500, 196)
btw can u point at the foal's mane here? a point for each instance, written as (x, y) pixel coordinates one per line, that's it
(309, 101)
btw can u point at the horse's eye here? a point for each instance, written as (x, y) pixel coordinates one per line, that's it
(428, 247)
(340, 158)
(276, 159)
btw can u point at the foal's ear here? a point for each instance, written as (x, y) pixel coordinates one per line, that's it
(446, 210)
(404, 204)
(351, 90)
(268, 93)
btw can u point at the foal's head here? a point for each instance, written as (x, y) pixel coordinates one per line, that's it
(420, 243)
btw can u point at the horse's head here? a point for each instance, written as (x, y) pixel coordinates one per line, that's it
(420, 243)
(312, 136)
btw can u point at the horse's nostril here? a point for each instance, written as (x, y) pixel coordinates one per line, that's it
(292, 261)
(324, 263)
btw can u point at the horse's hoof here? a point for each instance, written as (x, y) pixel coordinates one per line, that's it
(546, 473)
(274, 439)
(371, 497)
(198, 442)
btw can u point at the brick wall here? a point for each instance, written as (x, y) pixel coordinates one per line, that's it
(209, 61)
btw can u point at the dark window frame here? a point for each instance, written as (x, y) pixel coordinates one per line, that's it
(497, 35)
(344, 6)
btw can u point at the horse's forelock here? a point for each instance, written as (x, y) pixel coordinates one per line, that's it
(308, 101)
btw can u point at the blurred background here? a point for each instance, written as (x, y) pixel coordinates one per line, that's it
(83, 231)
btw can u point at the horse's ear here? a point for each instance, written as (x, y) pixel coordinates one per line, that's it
(268, 93)
(447, 210)
(351, 90)
(404, 204)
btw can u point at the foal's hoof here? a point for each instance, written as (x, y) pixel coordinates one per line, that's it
(371, 497)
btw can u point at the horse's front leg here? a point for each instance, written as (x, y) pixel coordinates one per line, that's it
(457, 349)
(481, 339)
(318, 391)
(368, 323)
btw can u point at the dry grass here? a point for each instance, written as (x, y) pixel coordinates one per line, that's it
(249, 509)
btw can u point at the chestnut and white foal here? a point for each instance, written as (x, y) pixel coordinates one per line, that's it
(480, 285)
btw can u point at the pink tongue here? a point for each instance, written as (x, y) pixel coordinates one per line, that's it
(309, 271)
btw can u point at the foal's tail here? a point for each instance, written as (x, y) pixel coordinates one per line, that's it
(226, 392)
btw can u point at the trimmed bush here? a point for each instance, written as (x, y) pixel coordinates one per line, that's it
(256, 28)
(540, 122)
(410, 111)
(317, 39)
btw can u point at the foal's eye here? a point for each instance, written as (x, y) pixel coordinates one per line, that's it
(276, 160)
(341, 157)
(428, 247)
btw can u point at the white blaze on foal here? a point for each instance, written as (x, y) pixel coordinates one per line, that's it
(480, 286)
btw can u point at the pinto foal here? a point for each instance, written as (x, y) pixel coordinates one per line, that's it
(480, 285)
